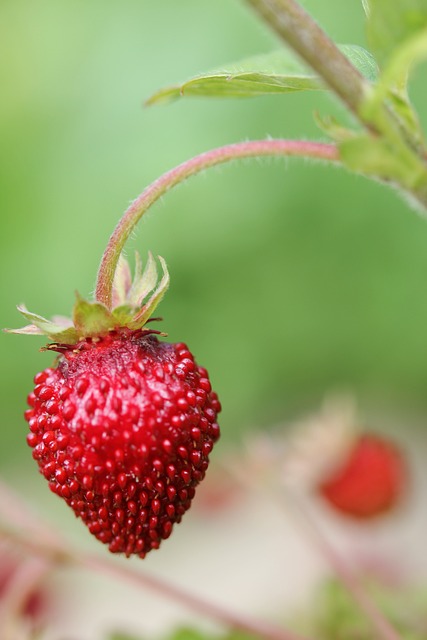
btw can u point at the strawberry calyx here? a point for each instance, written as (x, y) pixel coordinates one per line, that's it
(133, 303)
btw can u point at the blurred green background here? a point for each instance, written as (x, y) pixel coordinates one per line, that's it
(288, 280)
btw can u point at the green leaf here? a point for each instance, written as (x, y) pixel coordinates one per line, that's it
(362, 59)
(91, 318)
(334, 615)
(395, 75)
(277, 72)
(391, 23)
(410, 49)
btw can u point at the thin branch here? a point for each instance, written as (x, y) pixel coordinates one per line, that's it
(221, 155)
(304, 35)
(382, 626)
(384, 629)
(58, 551)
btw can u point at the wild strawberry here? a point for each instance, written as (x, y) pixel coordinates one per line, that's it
(369, 481)
(359, 474)
(123, 425)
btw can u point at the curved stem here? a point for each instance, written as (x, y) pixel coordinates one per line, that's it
(151, 194)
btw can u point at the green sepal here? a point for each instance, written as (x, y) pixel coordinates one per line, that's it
(122, 282)
(28, 330)
(144, 282)
(330, 125)
(91, 318)
(60, 331)
(45, 326)
(147, 309)
(123, 315)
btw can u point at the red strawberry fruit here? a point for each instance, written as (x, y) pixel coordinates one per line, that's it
(369, 481)
(122, 426)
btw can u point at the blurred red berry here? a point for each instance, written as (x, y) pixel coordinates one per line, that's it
(369, 481)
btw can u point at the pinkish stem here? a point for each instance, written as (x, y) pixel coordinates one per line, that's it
(383, 628)
(251, 149)
(39, 540)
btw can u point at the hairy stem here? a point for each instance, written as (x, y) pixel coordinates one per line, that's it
(251, 149)
(304, 35)
(300, 31)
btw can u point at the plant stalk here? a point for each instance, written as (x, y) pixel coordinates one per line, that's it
(298, 29)
(221, 155)
(54, 550)
(383, 628)
(302, 513)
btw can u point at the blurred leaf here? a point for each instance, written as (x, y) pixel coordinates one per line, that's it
(185, 633)
(398, 34)
(336, 616)
(391, 86)
(118, 635)
(362, 59)
(188, 634)
(392, 23)
(277, 72)
(410, 53)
